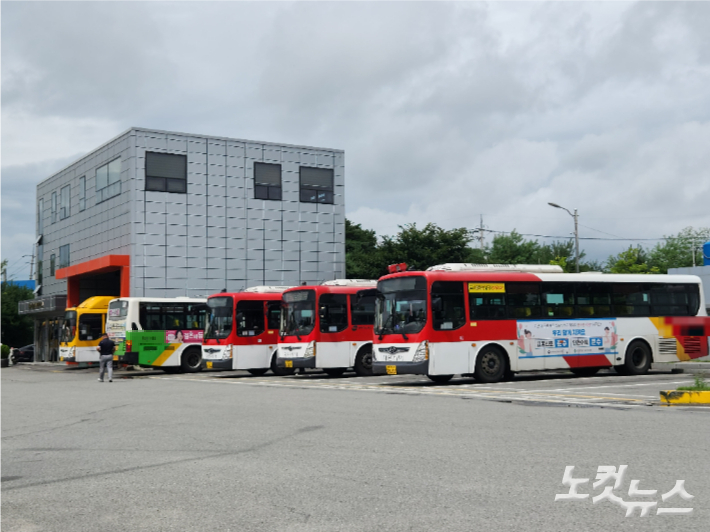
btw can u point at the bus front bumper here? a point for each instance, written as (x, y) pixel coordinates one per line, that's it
(400, 368)
(297, 362)
(129, 357)
(217, 364)
(67, 359)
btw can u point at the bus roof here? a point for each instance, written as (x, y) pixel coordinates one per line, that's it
(163, 299)
(249, 296)
(94, 303)
(345, 288)
(502, 276)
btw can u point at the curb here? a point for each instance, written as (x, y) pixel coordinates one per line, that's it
(678, 397)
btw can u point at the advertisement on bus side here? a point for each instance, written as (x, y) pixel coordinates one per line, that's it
(539, 338)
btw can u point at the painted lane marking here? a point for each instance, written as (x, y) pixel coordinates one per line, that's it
(658, 383)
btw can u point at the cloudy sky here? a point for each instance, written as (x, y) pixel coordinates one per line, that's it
(446, 111)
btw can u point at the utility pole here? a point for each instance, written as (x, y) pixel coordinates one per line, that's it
(480, 231)
(576, 233)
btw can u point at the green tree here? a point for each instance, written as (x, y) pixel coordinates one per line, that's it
(514, 249)
(633, 260)
(429, 246)
(16, 330)
(677, 251)
(361, 253)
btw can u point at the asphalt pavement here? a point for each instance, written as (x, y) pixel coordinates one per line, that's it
(228, 451)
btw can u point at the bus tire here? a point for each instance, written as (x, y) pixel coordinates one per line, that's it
(440, 379)
(334, 372)
(638, 359)
(280, 372)
(491, 365)
(585, 372)
(191, 361)
(363, 362)
(258, 371)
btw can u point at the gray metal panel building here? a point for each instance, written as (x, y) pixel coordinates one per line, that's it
(216, 235)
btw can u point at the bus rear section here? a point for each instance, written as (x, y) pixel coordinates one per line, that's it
(492, 321)
(82, 329)
(328, 326)
(242, 331)
(164, 333)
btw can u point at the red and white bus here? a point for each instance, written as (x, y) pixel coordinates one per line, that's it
(492, 321)
(328, 326)
(242, 330)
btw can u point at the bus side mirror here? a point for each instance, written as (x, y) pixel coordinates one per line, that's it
(134, 327)
(436, 304)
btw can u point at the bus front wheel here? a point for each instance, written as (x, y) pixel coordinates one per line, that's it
(191, 360)
(638, 360)
(363, 362)
(491, 365)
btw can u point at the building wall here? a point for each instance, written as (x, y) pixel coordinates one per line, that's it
(101, 228)
(213, 237)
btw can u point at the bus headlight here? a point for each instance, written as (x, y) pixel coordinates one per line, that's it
(310, 350)
(422, 352)
(227, 353)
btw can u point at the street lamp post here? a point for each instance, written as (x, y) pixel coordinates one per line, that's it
(576, 233)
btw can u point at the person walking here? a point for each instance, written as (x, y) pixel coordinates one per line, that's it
(106, 349)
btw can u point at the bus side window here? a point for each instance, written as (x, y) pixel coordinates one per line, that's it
(523, 300)
(450, 314)
(486, 306)
(273, 315)
(558, 300)
(593, 300)
(632, 299)
(362, 309)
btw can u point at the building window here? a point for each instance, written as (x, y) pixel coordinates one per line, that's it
(267, 181)
(65, 200)
(64, 256)
(52, 264)
(316, 185)
(82, 193)
(54, 207)
(40, 217)
(108, 180)
(40, 257)
(165, 172)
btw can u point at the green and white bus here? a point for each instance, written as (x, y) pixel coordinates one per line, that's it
(163, 333)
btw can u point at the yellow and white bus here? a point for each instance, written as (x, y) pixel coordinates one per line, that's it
(82, 329)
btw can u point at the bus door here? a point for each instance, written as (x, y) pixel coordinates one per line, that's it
(362, 319)
(332, 351)
(449, 352)
(250, 321)
(273, 324)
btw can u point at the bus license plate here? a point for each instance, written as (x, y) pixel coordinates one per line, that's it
(289, 363)
(391, 370)
(61, 359)
(115, 357)
(209, 365)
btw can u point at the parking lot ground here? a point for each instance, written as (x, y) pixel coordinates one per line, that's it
(231, 452)
(607, 389)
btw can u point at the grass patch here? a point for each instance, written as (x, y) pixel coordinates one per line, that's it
(700, 384)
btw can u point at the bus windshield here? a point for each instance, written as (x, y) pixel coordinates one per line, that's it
(298, 313)
(219, 320)
(69, 326)
(401, 308)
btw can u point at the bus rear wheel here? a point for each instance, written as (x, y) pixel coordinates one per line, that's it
(280, 372)
(585, 372)
(638, 359)
(334, 372)
(363, 362)
(258, 371)
(440, 379)
(191, 361)
(491, 365)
